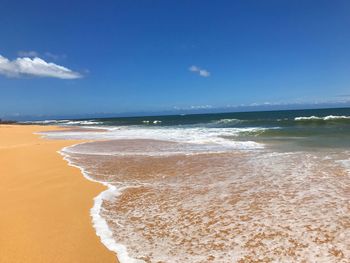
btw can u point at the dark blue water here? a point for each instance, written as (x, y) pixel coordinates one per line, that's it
(320, 128)
(246, 119)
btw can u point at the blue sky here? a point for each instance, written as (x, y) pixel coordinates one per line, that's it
(127, 56)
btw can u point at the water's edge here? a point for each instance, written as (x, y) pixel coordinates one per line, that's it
(98, 222)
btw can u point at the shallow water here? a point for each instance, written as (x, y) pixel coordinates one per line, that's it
(230, 206)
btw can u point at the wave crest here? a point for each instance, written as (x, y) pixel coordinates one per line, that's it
(65, 122)
(228, 121)
(326, 118)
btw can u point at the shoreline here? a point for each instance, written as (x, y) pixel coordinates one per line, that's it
(99, 223)
(45, 202)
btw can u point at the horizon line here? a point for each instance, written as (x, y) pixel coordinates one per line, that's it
(177, 112)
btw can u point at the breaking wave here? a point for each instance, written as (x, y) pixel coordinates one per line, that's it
(65, 122)
(326, 118)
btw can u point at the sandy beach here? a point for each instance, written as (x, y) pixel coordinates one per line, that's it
(45, 203)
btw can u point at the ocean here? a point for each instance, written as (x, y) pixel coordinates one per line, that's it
(231, 187)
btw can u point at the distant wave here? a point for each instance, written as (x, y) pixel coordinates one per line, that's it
(326, 118)
(151, 122)
(227, 121)
(64, 122)
(45, 122)
(83, 123)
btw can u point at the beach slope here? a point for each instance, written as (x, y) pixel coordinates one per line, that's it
(44, 203)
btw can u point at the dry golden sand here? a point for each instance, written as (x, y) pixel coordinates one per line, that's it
(44, 203)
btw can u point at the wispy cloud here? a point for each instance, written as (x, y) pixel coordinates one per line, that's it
(200, 107)
(55, 56)
(26, 66)
(194, 107)
(30, 54)
(201, 72)
(48, 55)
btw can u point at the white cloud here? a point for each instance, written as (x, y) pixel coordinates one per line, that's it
(194, 69)
(200, 107)
(193, 107)
(30, 54)
(38, 67)
(201, 72)
(204, 73)
(33, 54)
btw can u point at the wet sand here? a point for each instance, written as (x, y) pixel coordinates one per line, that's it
(45, 203)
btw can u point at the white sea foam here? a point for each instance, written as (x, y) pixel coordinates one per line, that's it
(345, 162)
(99, 223)
(227, 121)
(223, 137)
(83, 123)
(65, 122)
(326, 118)
(45, 122)
(151, 122)
(295, 212)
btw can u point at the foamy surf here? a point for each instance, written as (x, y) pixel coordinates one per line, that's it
(65, 122)
(326, 118)
(249, 207)
(221, 137)
(98, 222)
